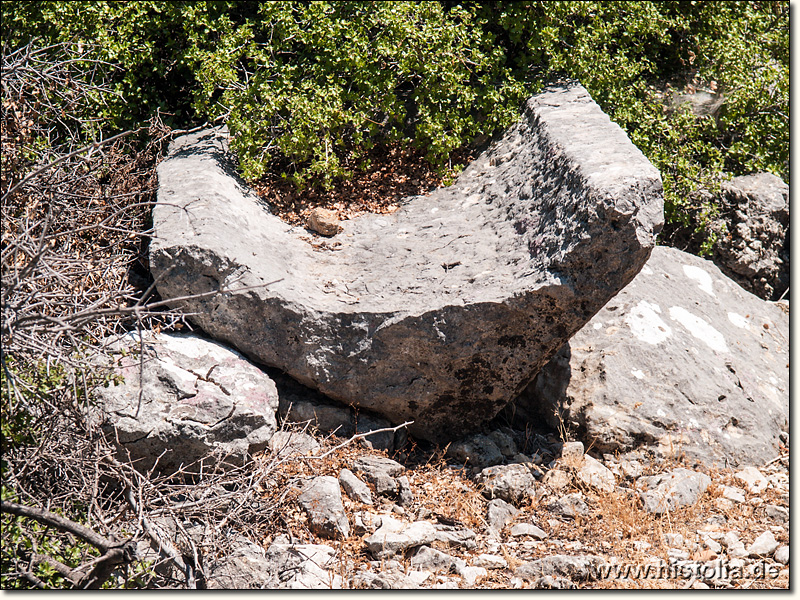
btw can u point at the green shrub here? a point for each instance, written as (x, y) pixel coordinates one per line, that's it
(304, 84)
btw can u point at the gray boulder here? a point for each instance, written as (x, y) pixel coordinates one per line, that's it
(246, 567)
(754, 251)
(195, 398)
(476, 451)
(302, 566)
(682, 361)
(438, 313)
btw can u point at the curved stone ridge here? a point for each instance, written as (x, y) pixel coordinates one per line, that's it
(441, 312)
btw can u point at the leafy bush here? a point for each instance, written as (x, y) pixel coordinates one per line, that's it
(305, 84)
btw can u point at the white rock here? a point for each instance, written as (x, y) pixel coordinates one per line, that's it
(394, 537)
(674, 540)
(763, 545)
(733, 493)
(523, 529)
(470, 575)
(572, 453)
(489, 561)
(782, 555)
(594, 474)
(712, 545)
(753, 478)
(354, 487)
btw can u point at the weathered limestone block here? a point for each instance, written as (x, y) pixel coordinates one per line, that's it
(682, 361)
(441, 312)
(195, 398)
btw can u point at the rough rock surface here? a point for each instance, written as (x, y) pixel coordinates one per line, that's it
(559, 565)
(395, 537)
(665, 492)
(683, 360)
(197, 398)
(354, 487)
(322, 500)
(440, 312)
(754, 251)
(512, 483)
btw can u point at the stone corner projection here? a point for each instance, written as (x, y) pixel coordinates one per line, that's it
(441, 312)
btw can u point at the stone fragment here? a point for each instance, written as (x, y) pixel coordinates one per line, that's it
(197, 398)
(571, 506)
(471, 575)
(548, 582)
(323, 221)
(292, 443)
(575, 568)
(777, 513)
(246, 567)
(556, 479)
(682, 361)
(365, 522)
(782, 555)
(491, 561)
(393, 580)
(504, 442)
(763, 545)
(322, 501)
(666, 492)
(734, 546)
(441, 311)
(733, 494)
(395, 537)
(380, 472)
(755, 209)
(500, 513)
(527, 530)
(404, 492)
(596, 475)
(712, 545)
(435, 561)
(674, 540)
(455, 537)
(753, 479)
(512, 483)
(631, 469)
(476, 451)
(572, 454)
(283, 566)
(371, 464)
(354, 487)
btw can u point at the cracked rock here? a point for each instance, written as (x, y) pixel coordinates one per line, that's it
(500, 513)
(198, 398)
(380, 472)
(571, 506)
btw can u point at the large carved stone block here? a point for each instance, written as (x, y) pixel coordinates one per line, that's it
(441, 312)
